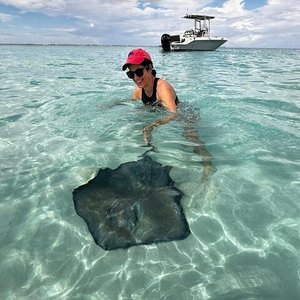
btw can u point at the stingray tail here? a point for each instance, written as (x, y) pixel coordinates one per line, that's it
(151, 149)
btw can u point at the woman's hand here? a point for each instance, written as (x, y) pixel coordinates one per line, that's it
(147, 133)
(147, 130)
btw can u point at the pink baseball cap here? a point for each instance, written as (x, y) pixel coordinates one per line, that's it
(136, 57)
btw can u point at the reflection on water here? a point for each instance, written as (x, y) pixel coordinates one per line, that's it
(58, 126)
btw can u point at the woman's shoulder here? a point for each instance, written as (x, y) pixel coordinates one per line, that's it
(137, 94)
(165, 86)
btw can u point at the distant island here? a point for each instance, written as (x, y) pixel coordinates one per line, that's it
(50, 44)
(53, 44)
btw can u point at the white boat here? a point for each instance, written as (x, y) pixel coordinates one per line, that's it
(197, 39)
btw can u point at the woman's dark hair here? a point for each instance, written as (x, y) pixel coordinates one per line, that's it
(147, 63)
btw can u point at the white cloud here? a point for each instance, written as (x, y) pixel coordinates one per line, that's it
(5, 17)
(61, 29)
(143, 22)
(33, 5)
(272, 25)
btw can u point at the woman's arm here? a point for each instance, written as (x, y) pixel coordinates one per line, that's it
(147, 130)
(137, 94)
(166, 95)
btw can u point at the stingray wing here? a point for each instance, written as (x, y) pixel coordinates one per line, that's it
(134, 204)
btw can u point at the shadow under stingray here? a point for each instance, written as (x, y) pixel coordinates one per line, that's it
(135, 204)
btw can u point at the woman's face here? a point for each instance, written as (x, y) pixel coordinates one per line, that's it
(139, 74)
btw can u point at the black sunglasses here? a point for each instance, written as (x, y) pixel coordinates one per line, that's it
(138, 72)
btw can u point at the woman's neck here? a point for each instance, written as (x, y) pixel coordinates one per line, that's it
(148, 88)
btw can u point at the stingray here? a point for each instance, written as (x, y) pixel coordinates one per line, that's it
(134, 204)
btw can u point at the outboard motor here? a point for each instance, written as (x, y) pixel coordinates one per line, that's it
(165, 42)
(167, 39)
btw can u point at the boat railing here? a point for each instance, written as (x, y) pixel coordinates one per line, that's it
(201, 33)
(189, 33)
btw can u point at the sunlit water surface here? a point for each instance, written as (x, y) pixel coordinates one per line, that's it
(60, 121)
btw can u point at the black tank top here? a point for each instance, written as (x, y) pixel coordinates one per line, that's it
(152, 99)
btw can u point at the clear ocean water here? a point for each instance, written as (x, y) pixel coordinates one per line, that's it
(61, 120)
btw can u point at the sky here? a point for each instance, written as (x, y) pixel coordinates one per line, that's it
(245, 23)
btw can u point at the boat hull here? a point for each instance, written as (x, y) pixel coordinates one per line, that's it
(198, 44)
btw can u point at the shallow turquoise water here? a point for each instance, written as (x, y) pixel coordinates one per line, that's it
(60, 122)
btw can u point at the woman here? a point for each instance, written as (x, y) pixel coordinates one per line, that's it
(155, 91)
(150, 89)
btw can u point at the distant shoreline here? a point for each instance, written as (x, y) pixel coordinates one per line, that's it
(93, 45)
(99, 45)
(73, 45)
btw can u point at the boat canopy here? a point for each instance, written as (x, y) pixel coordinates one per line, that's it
(198, 17)
(202, 24)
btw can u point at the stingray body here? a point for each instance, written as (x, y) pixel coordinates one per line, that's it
(135, 204)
